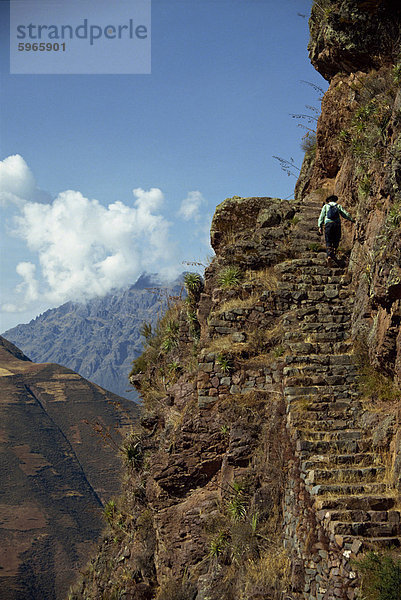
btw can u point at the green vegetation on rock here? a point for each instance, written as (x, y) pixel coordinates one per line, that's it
(381, 576)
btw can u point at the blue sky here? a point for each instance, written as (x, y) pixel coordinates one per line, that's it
(203, 126)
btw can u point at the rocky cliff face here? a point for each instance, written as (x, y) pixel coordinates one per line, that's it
(349, 35)
(56, 472)
(268, 453)
(358, 158)
(97, 339)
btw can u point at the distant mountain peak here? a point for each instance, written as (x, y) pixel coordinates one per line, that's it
(98, 338)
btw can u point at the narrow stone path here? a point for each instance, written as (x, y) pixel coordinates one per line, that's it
(345, 480)
(337, 501)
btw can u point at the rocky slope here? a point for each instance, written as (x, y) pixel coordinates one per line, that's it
(98, 339)
(55, 474)
(270, 446)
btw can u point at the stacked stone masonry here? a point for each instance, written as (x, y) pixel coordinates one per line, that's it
(215, 382)
(337, 502)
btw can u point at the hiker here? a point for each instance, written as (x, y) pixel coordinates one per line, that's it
(330, 218)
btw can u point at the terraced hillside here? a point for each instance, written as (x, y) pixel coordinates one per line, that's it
(55, 472)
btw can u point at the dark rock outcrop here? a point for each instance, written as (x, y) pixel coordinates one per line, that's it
(351, 35)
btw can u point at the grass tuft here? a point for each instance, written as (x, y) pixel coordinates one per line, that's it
(230, 277)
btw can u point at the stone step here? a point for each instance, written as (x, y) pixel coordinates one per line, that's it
(346, 474)
(329, 387)
(325, 419)
(326, 292)
(310, 260)
(309, 448)
(308, 220)
(310, 203)
(319, 313)
(289, 271)
(345, 391)
(342, 347)
(364, 529)
(310, 210)
(323, 320)
(367, 543)
(311, 241)
(316, 336)
(333, 295)
(359, 459)
(346, 489)
(344, 408)
(328, 384)
(305, 219)
(295, 283)
(302, 232)
(332, 436)
(319, 371)
(323, 379)
(367, 502)
(315, 326)
(317, 258)
(312, 278)
(301, 403)
(320, 359)
(316, 321)
(312, 200)
(304, 243)
(375, 543)
(322, 424)
(361, 516)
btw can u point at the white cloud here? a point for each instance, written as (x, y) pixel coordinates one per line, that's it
(17, 183)
(191, 206)
(81, 248)
(85, 249)
(29, 286)
(12, 308)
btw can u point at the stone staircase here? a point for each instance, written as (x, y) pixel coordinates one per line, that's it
(344, 478)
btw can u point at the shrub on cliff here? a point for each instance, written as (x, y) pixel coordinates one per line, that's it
(194, 286)
(308, 144)
(230, 276)
(159, 341)
(193, 283)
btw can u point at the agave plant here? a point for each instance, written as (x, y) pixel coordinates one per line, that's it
(229, 277)
(193, 284)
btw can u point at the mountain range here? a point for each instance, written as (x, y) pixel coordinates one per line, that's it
(100, 338)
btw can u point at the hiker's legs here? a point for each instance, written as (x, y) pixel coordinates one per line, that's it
(332, 233)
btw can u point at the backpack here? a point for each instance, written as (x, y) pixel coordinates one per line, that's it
(333, 214)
